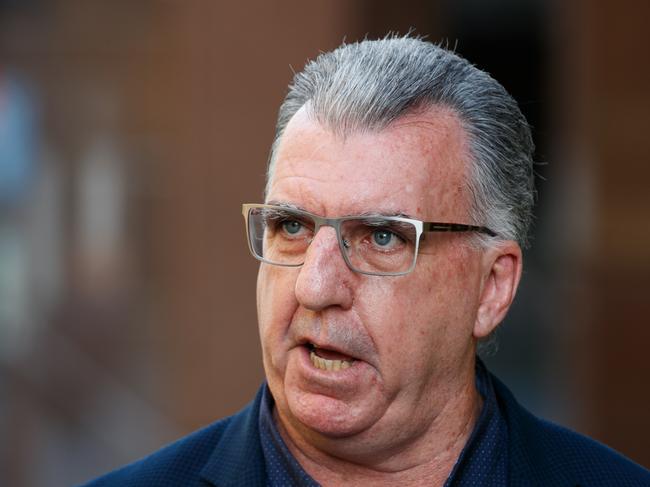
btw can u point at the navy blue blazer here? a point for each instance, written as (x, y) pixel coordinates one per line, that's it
(229, 453)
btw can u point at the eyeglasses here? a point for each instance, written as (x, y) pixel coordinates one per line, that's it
(374, 245)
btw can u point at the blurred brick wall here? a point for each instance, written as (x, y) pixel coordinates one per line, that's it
(189, 91)
(606, 106)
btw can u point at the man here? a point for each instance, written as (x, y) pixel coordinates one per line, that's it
(399, 195)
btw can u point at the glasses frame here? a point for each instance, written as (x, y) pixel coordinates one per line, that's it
(335, 223)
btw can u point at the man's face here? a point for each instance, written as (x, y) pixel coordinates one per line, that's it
(408, 338)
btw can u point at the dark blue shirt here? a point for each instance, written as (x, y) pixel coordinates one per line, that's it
(483, 461)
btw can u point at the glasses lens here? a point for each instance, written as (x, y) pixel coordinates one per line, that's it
(379, 245)
(279, 236)
(372, 245)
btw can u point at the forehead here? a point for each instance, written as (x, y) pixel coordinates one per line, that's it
(416, 166)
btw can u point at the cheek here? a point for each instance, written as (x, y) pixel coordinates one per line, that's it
(276, 302)
(398, 319)
(451, 278)
(426, 318)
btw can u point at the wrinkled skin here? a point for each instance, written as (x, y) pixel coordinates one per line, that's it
(409, 396)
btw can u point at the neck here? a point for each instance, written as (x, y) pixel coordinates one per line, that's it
(425, 459)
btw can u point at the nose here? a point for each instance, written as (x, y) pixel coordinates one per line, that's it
(324, 279)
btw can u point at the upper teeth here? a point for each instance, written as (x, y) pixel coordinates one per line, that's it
(325, 364)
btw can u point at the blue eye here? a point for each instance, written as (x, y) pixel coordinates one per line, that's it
(291, 226)
(382, 237)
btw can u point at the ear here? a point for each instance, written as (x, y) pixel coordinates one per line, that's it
(502, 267)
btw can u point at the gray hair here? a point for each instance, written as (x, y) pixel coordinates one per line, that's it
(369, 84)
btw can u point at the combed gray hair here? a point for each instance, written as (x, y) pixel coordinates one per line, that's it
(369, 84)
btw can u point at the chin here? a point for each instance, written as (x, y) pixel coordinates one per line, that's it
(328, 416)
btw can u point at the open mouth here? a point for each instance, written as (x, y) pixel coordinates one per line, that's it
(325, 359)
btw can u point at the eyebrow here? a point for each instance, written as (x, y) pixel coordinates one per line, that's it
(288, 206)
(379, 214)
(389, 213)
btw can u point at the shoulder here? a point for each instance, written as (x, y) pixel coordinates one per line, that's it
(174, 464)
(188, 460)
(555, 455)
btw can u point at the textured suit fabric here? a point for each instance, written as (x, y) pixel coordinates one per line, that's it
(229, 453)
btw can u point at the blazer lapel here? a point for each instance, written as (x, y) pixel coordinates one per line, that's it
(238, 458)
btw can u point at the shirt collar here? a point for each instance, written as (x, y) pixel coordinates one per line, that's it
(281, 466)
(484, 459)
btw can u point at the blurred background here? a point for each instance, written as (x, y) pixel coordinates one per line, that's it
(130, 134)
